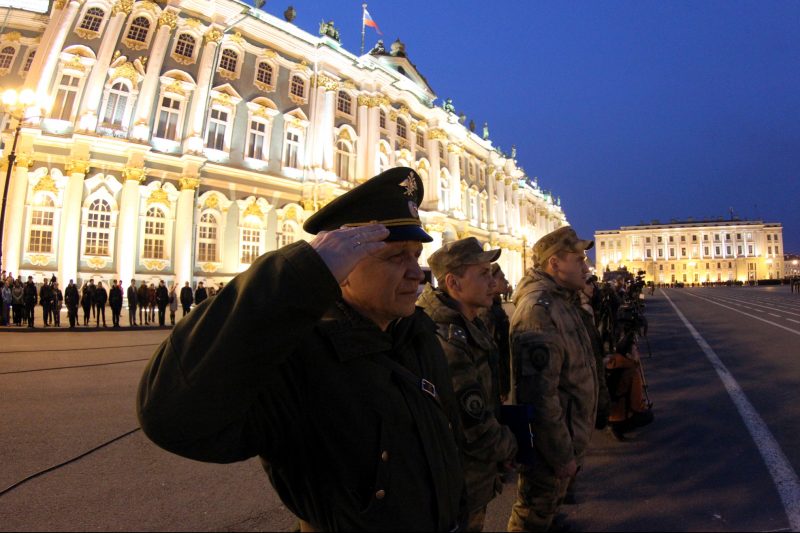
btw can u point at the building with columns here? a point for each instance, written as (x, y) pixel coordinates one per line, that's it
(188, 137)
(695, 251)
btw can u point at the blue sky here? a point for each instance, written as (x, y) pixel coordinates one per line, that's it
(629, 110)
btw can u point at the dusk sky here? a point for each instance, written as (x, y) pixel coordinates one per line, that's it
(629, 110)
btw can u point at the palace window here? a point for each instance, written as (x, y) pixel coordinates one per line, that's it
(98, 233)
(92, 19)
(298, 87)
(291, 149)
(168, 117)
(116, 104)
(139, 29)
(29, 60)
(251, 243)
(228, 60)
(257, 140)
(207, 239)
(217, 126)
(7, 56)
(287, 235)
(344, 161)
(66, 97)
(401, 128)
(420, 138)
(344, 103)
(382, 119)
(264, 73)
(154, 234)
(40, 238)
(185, 45)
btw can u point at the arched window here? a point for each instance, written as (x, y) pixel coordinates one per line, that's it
(344, 103)
(444, 194)
(138, 30)
(298, 87)
(287, 235)
(40, 238)
(7, 56)
(29, 60)
(185, 45)
(116, 104)
(98, 228)
(401, 128)
(251, 242)
(382, 119)
(155, 227)
(343, 161)
(228, 60)
(207, 239)
(92, 19)
(264, 73)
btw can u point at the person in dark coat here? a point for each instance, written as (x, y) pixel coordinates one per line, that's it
(46, 301)
(132, 302)
(319, 362)
(151, 303)
(162, 301)
(86, 303)
(29, 295)
(100, 299)
(71, 298)
(56, 302)
(115, 298)
(186, 298)
(92, 289)
(200, 295)
(141, 299)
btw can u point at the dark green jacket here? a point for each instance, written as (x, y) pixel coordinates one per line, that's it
(277, 366)
(472, 357)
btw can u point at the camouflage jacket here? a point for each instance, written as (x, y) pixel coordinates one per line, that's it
(496, 321)
(470, 351)
(554, 367)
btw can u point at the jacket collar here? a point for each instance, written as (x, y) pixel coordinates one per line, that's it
(442, 308)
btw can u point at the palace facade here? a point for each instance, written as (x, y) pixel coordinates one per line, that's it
(188, 137)
(695, 252)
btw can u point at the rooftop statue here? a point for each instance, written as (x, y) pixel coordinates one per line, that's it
(327, 29)
(448, 106)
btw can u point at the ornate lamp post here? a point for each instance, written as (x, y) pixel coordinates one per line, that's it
(16, 105)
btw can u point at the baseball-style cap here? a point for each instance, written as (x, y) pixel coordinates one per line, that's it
(459, 253)
(391, 198)
(564, 239)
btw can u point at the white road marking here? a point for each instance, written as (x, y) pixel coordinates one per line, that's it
(736, 302)
(793, 320)
(773, 314)
(783, 475)
(790, 330)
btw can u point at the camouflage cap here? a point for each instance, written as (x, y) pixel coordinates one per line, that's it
(564, 239)
(459, 253)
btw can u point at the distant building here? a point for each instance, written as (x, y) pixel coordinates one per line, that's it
(181, 149)
(695, 252)
(791, 265)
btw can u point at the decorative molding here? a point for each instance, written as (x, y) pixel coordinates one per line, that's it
(237, 38)
(97, 262)
(154, 264)
(134, 174)
(209, 267)
(128, 71)
(214, 35)
(77, 166)
(24, 159)
(39, 260)
(188, 183)
(212, 202)
(326, 82)
(59, 4)
(297, 100)
(87, 34)
(437, 134)
(148, 6)
(134, 45)
(176, 87)
(254, 210)
(454, 148)
(46, 184)
(223, 99)
(168, 18)
(158, 196)
(193, 23)
(122, 6)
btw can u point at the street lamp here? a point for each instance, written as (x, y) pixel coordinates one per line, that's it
(16, 105)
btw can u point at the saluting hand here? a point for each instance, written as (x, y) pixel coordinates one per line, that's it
(342, 249)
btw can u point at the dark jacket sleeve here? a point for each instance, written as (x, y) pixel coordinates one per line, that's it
(215, 390)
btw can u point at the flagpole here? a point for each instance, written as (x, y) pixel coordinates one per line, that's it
(363, 19)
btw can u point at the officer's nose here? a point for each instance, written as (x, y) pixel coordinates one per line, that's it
(415, 272)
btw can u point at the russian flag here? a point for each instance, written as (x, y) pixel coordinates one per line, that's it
(371, 23)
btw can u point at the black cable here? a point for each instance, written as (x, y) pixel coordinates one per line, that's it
(65, 463)
(83, 349)
(73, 366)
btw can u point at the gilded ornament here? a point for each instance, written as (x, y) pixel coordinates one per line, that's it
(329, 84)
(270, 54)
(263, 86)
(209, 267)
(24, 160)
(213, 35)
(39, 260)
(212, 202)
(227, 74)
(158, 196)
(237, 38)
(168, 18)
(507, 181)
(134, 45)
(403, 110)
(192, 23)
(253, 210)
(175, 87)
(77, 166)
(454, 148)
(188, 183)
(345, 135)
(148, 6)
(223, 99)
(59, 4)
(122, 6)
(364, 100)
(12, 36)
(87, 34)
(297, 99)
(46, 184)
(348, 84)
(437, 134)
(154, 264)
(393, 115)
(97, 262)
(134, 173)
(127, 71)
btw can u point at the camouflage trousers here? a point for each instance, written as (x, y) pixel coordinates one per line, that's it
(539, 495)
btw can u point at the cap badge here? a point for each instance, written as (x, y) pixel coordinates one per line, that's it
(410, 184)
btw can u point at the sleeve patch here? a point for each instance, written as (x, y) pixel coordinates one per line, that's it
(473, 404)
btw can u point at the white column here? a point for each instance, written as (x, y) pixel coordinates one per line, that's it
(372, 141)
(69, 249)
(454, 164)
(155, 60)
(184, 230)
(43, 71)
(197, 110)
(362, 172)
(501, 204)
(127, 230)
(492, 215)
(326, 132)
(94, 85)
(432, 187)
(15, 214)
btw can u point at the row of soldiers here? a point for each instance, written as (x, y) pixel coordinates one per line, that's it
(371, 406)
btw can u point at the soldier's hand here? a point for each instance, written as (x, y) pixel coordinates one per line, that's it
(342, 249)
(568, 470)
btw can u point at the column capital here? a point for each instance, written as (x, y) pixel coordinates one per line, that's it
(122, 6)
(134, 174)
(77, 166)
(24, 159)
(188, 183)
(168, 18)
(326, 82)
(214, 35)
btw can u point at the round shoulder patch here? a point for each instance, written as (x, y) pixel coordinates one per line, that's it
(540, 357)
(473, 404)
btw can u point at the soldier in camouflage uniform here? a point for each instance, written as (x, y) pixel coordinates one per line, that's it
(496, 321)
(555, 373)
(463, 272)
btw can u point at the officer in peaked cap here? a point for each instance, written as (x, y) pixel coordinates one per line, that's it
(555, 372)
(322, 365)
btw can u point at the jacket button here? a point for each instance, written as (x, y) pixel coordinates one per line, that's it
(381, 494)
(385, 456)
